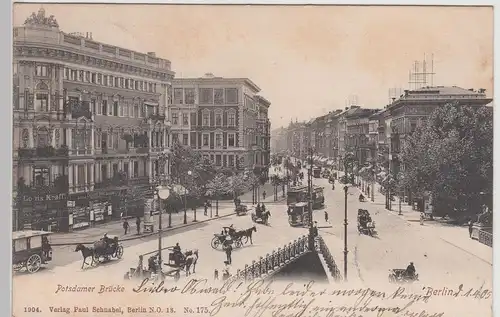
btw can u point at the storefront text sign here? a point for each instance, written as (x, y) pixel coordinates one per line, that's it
(48, 197)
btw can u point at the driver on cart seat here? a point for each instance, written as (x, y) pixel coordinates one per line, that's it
(410, 270)
(177, 252)
(231, 231)
(152, 263)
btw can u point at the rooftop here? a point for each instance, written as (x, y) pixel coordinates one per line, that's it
(210, 77)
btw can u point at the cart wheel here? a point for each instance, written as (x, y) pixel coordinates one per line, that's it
(244, 239)
(177, 276)
(119, 252)
(215, 243)
(34, 263)
(238, 243)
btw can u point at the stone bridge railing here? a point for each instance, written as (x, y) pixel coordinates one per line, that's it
(271, 264)
(327, 256)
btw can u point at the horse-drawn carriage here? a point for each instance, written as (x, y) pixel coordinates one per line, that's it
(298, 214)
(177, 261)
(365, 223)
(261, 216)
(103, 250)
(401, 276)
(241, 210)
(233, 237)
(30, 249)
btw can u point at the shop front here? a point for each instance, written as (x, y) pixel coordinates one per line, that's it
(46, 212)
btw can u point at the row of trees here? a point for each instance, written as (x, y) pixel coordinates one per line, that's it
(450, 156)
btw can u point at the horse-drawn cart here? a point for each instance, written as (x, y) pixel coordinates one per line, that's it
(241, 210)
(102, 251)
(30, 249)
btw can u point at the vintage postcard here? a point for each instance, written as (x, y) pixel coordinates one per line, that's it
(249, 160)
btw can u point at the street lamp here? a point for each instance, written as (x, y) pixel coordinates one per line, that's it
(163, 193)
(185, 200)
(346, 188)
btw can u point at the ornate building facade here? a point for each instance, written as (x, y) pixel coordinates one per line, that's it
(89, 125)
(224, 118)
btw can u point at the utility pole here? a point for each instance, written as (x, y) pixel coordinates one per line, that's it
(310, 200)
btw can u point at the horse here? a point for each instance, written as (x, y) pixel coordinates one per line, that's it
(247, 233)
(191, 257)
(86, 252)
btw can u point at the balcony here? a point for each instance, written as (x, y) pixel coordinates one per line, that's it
(43, 152)
(120, 181)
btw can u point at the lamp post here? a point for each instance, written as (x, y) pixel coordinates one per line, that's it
(185, 200)
(346, 188)
(163, 193)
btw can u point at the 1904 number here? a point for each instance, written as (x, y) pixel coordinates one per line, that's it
(32, 309)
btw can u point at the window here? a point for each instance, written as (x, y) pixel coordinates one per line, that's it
(136, 112)
(42, 102)
(99, 79)
(231, 95)
(178, 96)
(86, 77)
(205, 139)
(185, 119)
(74, 75)
(205, 119)
(105, 80)
(231, 160)
(218, 140)
(80, 75)
(41, 70)
(230, 140)
(185, 139)
(217, 160)
(121, 110)
(93, 106)
(175, 118)
(66, 73)
(41, 176)
(94, 78)
(206, 95)
(115, 108)
(218, 119)
(136, 85)
(231, 119)
(189, 96)
(175, 138)
(104, 107)
(219, 96)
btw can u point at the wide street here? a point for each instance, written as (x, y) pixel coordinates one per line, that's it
(398, 243)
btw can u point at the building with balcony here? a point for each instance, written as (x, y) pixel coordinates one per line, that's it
(89, 123)
(357, 133)
(405, 114)
(223, 118)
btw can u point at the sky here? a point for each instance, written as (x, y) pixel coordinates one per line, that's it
(307, 60)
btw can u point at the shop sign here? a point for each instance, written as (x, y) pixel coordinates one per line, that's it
(48, 197)
(80, 225)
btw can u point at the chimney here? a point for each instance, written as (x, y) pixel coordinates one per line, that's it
(151, 54)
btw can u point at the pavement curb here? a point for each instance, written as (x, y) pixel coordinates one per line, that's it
(152, 233)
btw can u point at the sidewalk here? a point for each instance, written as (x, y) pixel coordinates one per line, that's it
(115, 228)
(458, 236)
(90, 235)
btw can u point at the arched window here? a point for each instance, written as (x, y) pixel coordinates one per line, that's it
(42, 139)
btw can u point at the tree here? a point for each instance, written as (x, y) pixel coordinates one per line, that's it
(237, 184)
(217, 187)
(135, 200)
(451, 156)
(185, 159)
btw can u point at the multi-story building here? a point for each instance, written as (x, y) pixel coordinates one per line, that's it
(279, 140)
(221, 118)
(331, 134)
(89, 123)
(413, 108)
(357, 134)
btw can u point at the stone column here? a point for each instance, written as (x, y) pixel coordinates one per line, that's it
(150, 168)
(69, 138)
(131, 169)
(70, 175)
(31, 141)
(92, 140)
(85, 168)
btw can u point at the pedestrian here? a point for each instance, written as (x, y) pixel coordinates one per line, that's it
(228, 249)
(471, 225)
(205, 208)
(422, 216)
(138, 224)
(125, 225)
(216, 274)
(264, 195)
(326, 216)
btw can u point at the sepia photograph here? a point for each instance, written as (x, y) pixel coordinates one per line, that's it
(252, 160)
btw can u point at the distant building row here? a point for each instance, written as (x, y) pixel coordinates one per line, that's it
(91, 121)
(369, 133)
